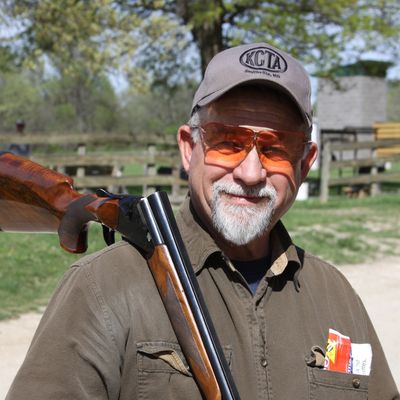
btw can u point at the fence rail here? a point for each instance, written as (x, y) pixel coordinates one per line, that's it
(78, 155)
(166, 158)
(84, 138)
(371, 165)
(91, 168)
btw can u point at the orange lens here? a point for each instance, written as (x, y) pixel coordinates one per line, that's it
(228, 146)
(280, 148)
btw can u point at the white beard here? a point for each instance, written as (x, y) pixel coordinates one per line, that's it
(241, 224)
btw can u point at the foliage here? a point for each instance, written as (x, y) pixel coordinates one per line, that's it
(316, 31)
(8, 60)
(159, 45)
(98, 107)
(364, 68)
(160, 111)
(75, 35)
(84, 38)
(45, 104)
(77, 39)
(18, 99)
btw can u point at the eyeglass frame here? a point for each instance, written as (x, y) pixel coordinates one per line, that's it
(255, 133)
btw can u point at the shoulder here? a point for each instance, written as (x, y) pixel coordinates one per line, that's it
(118, 267)
(324, 289)
(316, 268)
(110, 285)
(120, 258)
(324, 278)
(119, 252)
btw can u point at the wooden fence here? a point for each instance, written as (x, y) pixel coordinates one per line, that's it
(87, 158)
(387, 131)
(365, 171)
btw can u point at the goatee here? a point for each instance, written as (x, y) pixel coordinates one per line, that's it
(241, 224)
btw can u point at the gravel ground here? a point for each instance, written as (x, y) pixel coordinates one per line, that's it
(377, 283)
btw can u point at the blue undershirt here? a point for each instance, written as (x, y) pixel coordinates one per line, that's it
(252, 271)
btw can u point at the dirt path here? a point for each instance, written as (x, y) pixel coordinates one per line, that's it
(15, 337)
(377, 283)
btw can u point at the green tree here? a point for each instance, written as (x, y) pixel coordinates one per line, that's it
(78, 40)
(83, 39)
(8, 62)
(165, 43)
(100, 105)
(19, 98)
(159, 111)
(158, 34)
(316, 31)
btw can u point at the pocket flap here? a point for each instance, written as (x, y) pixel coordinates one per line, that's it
(338, 380)
(169, 353)
(167, 357)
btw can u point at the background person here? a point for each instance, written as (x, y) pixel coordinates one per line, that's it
(20, 149)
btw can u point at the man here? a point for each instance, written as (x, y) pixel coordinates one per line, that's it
(21, 149)
(246, 149)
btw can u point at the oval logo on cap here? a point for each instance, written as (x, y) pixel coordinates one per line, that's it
(263, 58)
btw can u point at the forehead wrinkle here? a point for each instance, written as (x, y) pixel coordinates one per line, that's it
(255, 107)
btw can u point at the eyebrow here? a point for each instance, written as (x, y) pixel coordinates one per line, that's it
(257, 128)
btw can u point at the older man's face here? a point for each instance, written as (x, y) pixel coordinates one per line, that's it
(247, 199)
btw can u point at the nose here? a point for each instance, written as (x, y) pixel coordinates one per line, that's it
(250, 171)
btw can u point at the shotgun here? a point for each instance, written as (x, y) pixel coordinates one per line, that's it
(36, 199)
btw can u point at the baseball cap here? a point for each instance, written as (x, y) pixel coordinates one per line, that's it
(256, 63)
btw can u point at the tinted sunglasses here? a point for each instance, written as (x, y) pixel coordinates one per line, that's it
(228, 146)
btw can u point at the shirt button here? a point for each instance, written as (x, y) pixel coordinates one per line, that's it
(264, 362)
(356, 383)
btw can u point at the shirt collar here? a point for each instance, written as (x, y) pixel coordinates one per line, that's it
(200, 245)
(283, 251)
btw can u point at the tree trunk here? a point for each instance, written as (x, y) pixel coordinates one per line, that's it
(209, 40)
(206, 30)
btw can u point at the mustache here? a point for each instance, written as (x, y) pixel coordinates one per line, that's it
(236, 189)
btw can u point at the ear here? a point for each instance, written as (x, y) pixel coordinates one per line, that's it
(308, 161)
(185, 143)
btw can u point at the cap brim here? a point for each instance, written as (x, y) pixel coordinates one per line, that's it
(215, 95)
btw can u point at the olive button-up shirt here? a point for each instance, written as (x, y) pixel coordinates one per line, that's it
(105, 333)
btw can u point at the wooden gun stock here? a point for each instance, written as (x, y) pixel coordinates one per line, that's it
(36, 199)
(182, 320)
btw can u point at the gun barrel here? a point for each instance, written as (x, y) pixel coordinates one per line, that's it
(168, 231)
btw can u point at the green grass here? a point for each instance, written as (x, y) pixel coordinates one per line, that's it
(344, 230)
(341, 231)
(31, 266)
(133, 169)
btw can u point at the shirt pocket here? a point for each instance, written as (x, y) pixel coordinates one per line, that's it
(164, 373)
(330, 385)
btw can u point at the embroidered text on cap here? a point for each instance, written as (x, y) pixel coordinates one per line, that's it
(263, 58)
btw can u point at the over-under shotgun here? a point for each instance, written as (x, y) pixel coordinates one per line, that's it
(36, 199)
